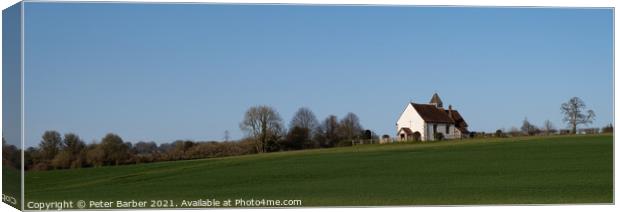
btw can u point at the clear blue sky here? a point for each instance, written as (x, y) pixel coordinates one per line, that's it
(189, 71)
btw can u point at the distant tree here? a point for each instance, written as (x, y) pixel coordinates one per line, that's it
(548, 127)
(297, 138)
(51, 144)
(116, 152)
(10, 155)
(514, 131)
(264, 125)
(226, 135)
(367, 134)
(303, 123)
(350, 127)
(528, 128)
(73, 144)
(95, 155)
(575, 114)
(327, 134)
(72, 154)
(31, 157)
(143, 148)
(304, 118)
(62, 160)
(180, 149)
(608, 129)
(499, 133)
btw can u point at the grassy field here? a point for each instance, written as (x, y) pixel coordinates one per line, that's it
(11, 184)
(563, 169)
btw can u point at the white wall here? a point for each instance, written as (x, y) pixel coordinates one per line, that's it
(411, 119)
(441, 128)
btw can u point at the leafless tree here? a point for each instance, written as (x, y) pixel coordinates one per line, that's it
(575, 114)
(262, 124)
(327, 132)
(304, 118)
(350, 127)
(514, 131)
(528, 128)
(226, 135)
(302, 130)
(548, 127)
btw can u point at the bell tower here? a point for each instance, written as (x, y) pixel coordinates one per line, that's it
(435, 100)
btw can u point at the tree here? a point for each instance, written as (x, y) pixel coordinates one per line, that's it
(226, 135)
(62, 160)
(574, 114)
(548, 127)
(51, 143)
(514, 131)
(114, 149)
(350, 127)
(528, 128)
(297, 138)
(499, 133)
(303, 127)
(72, 153)
(327, 134)
(304, 118)
(73, 144)
(95, 155)
(142, 148)
(264, 125)
(608, 129)
(180, 149)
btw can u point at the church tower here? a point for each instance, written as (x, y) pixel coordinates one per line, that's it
(435, 100)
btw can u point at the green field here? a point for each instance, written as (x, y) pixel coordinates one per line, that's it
(563, 169)
(11, 185)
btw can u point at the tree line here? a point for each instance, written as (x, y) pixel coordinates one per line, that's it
(264, 128)
(575, 114)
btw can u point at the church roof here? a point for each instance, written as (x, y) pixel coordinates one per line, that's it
(459, 122)
(430, 113)
(407, 130)
(436, 100)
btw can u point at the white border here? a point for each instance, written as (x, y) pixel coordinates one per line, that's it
(519, 3)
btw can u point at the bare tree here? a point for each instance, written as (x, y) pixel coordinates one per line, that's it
(226, 135)
(302, 129)
(350, 127)
(548, 127)
(514, 131)
(574, 114)
(263, 124)
(304, 118)
(528, 128)
(327, 134)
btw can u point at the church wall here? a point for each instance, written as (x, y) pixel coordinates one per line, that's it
(411, 119)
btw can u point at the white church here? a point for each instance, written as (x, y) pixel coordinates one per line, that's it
(425, 122)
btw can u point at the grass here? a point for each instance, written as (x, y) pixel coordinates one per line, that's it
(11, 184)
(542, 170)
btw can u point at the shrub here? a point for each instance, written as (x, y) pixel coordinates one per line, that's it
(439, 136)
(499, 134)
(62, 160)
(608, 129)
(40, 167)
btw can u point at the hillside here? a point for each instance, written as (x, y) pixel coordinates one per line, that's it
(562, 169)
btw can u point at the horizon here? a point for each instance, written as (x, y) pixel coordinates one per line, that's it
(166, 72)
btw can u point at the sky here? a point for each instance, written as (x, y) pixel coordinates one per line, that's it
(161, 72)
